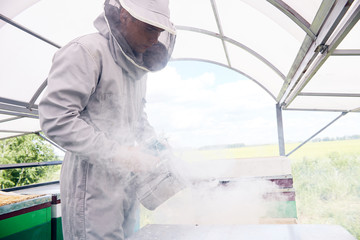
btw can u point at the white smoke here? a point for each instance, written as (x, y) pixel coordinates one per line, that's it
(209, 200)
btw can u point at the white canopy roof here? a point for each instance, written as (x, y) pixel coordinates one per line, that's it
(304, 53)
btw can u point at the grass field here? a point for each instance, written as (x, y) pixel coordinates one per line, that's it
(327, 183)
(326, 178)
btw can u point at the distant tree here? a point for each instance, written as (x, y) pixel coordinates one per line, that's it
(25, 149)
(354, 137)
(316, 140)
(326, 139)
(222, 146)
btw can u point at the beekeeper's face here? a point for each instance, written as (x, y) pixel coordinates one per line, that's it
(139, 35)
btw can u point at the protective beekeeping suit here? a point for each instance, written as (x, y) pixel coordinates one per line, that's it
(94, 108)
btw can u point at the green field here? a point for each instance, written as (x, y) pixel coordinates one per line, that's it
(326, 178)
(327, 182)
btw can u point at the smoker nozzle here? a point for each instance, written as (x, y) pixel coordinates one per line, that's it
(155, 188)
(163, 182)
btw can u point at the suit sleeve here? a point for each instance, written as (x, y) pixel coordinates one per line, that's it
(71, 81)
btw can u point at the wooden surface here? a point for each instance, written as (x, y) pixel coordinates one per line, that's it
(243, 232)
(10, 198)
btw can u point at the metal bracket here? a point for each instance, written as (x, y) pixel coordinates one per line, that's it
(322, 48)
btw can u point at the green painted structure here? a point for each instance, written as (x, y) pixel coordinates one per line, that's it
(33, 219)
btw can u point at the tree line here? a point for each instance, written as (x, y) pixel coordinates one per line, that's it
(26, 149)
(326, 139)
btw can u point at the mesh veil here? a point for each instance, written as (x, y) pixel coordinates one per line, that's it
(155, 57)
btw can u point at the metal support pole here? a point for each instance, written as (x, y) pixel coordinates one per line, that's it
(29, 186)
(280, 129)
(51, 142)
(28, 165)
(9, 21)
(342, 114)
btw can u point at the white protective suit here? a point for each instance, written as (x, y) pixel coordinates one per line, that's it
(93, 104)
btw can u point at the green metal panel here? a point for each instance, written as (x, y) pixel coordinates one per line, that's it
(25, 221)
(282, 209)
(39, 232)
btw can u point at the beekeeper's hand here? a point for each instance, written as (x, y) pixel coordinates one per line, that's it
(133, 159)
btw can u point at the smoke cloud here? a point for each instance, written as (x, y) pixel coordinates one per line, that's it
(212, 200)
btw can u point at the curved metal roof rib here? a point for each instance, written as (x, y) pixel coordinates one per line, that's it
(304, 54)
(295, 16)
(226, 66)
(242, 46)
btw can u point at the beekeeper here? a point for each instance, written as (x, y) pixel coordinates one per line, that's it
(94, 108)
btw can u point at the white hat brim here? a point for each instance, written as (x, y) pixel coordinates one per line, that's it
(151, 17)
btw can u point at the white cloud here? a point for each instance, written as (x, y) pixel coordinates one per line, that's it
(242, 94)
(204, 110)
(209, 109)
(168, 85)
(301, 125)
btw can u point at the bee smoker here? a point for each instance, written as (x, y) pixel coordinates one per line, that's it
(157, 186)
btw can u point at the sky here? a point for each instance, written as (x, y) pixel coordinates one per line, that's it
(196, 104)
(192, 104)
